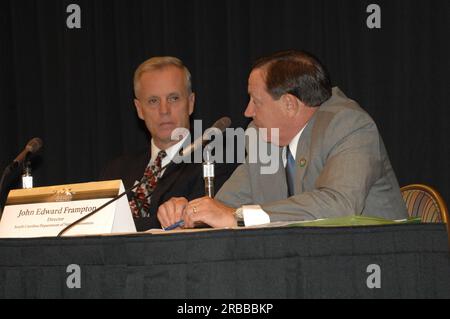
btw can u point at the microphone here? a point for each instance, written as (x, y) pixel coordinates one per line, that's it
(220, 125)
(208, 166)
(32, 147)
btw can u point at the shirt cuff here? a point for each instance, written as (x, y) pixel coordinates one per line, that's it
(254, 215)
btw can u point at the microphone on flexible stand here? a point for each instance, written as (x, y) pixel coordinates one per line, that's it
(208, 166)
(32, 147)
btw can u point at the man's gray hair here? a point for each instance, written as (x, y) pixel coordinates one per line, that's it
(158, 63)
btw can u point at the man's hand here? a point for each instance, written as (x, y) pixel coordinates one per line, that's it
(209, 211)
(172, 211)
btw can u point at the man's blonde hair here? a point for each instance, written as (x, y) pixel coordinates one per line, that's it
(158, 63)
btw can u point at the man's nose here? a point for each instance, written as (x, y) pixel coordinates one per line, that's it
(250, 110)
(164, 107)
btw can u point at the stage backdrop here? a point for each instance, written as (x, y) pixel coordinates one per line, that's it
(66, 71)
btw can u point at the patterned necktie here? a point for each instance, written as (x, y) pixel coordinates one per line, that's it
(140, 203)
(290, 172)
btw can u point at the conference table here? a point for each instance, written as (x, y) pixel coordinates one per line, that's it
(389, 261)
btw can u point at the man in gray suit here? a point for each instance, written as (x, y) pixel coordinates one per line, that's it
(332, 159)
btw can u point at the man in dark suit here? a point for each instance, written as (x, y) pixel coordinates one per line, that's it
(164, 101)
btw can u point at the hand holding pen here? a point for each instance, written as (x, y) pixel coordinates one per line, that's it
(187, 213)
(208, 176)
(203, 210)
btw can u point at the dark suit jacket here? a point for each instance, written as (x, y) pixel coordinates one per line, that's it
(179, 180)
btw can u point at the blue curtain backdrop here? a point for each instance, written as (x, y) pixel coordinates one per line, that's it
(73, 87)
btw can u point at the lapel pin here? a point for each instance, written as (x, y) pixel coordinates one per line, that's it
(302, 162)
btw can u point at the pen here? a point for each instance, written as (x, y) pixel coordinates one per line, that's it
(176, 225)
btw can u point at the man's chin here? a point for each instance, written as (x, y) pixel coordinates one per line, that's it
(165, 143)
(173, 138)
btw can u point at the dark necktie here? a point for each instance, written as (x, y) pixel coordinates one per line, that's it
(290, 172)
(140, 203)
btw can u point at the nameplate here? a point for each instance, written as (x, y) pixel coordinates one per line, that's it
(48, 215)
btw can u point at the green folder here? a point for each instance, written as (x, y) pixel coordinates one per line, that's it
(353, 221)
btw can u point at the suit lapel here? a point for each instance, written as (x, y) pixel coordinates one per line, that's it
(135, 168)
(165, 183)
(302, 157)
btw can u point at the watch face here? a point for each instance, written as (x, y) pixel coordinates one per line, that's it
(238, 213)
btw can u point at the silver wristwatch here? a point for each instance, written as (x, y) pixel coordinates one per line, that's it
(239, 214)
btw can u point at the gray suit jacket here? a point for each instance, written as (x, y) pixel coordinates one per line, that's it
(342, 169)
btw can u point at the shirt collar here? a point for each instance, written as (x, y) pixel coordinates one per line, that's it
(294, 142)
(171, 151)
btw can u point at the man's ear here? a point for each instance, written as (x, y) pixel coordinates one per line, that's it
(191, 102)
(290, 103)
(138, 106)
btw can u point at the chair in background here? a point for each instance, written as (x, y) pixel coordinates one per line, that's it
(425, 202)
